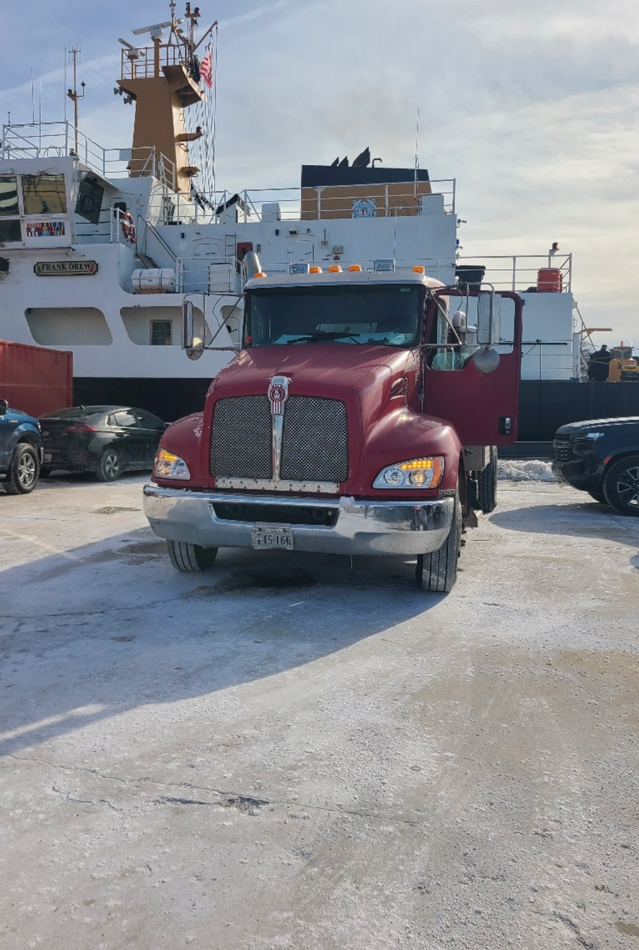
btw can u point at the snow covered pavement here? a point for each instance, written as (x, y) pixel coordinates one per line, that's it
(296, 751)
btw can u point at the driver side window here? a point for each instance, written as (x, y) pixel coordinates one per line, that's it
(446, 342)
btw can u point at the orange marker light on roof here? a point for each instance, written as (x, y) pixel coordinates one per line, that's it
(335, 269)
(259, 274)
(418, 269)
(355, 268)
(315, 270)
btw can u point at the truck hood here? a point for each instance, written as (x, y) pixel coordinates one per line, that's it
(365, 368)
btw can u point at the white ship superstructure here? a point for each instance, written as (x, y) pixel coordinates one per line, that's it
(100, 246)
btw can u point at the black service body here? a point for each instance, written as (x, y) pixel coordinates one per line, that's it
(79, 438)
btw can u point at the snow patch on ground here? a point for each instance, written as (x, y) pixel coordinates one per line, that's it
(525, 470)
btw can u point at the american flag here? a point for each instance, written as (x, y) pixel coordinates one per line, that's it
(206, 69)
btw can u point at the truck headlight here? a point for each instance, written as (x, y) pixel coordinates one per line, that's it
(414, 473)
(168, 465)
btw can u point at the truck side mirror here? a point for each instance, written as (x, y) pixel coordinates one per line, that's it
(192, 330)
(4, 407)
(488, 319)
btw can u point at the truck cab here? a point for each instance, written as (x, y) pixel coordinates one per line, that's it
(360, 416)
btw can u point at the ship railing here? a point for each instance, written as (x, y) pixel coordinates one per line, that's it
(62, 139)
(226, 275)
(521, 272)
(146, 62)
(292, 204)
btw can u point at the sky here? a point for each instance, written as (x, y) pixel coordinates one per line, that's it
(532, 107)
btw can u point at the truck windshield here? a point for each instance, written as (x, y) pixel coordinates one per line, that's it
(384, 314)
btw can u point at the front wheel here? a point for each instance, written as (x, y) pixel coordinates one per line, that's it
(191, 558)
(110, 467)
(621, 486)
(437, 572)
(22, 476)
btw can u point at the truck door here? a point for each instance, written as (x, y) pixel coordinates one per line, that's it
(482, 405)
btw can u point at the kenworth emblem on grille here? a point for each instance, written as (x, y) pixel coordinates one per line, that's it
(278, 394)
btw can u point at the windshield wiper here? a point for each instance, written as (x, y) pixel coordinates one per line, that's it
(320, 335)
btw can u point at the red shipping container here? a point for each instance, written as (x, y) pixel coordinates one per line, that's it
(35, 379)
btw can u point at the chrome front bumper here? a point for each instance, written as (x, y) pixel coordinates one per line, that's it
(361, 527)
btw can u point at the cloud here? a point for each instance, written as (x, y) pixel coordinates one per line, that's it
(532, 107)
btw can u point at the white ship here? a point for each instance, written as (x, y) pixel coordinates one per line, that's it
(100, 246)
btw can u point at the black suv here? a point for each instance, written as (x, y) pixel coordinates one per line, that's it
(601, 456)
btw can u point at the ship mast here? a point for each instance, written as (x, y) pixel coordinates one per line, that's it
(164, 80)
(74, 95)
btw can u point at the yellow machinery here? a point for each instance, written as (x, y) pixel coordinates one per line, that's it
(623, 371)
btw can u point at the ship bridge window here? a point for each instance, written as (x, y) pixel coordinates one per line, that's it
(44, 194)
(89, 203)
(9, 196)
(10, 232)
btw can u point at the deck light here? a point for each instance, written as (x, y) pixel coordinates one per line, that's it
(418, 269)
(355, 268)
(260, 273)
(315, 270)
(335, 269)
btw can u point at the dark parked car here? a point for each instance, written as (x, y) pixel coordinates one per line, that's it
(20, 450)
(601, 456)
(106, 440)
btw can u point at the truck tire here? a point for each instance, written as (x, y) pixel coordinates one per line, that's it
(191, 558)
(23, 471)
(437, 572)
(110, 467)
(621, 486)
(487, 484)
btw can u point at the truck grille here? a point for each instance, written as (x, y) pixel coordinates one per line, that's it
(314, 440)
(563, 450)
(241, 443)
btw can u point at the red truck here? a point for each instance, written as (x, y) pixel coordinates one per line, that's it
(360, 416)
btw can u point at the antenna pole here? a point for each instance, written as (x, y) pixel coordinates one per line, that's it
(416, 150)
(74, 95)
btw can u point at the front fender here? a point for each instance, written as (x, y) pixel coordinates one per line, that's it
(184, 438)
(402, 435)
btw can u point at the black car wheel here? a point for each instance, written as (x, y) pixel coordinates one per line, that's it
(110, 467)
(22, 476)
(621, 486)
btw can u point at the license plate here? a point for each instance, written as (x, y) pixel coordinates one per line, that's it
(266, 536)
(47, 456)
